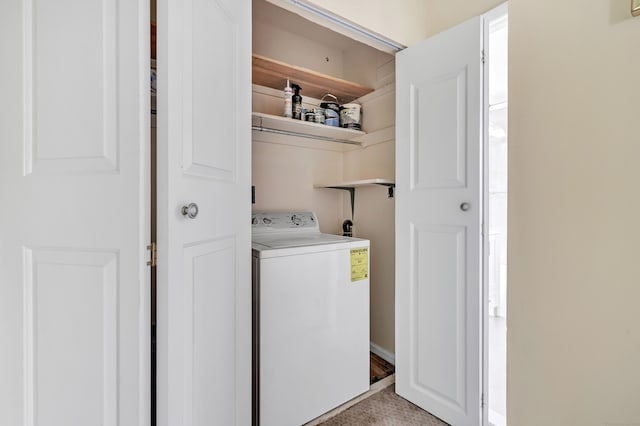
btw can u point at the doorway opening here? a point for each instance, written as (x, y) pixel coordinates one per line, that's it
(496, 109)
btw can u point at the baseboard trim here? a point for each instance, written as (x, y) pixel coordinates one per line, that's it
(382, 353)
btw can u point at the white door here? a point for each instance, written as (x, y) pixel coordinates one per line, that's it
(74, 285)
(204, 262)
(438, 224)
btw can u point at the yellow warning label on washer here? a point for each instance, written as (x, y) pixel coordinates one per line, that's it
(359, 264)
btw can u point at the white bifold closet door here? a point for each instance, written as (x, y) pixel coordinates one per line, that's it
(74, 284)
(204, 262)
(438, 224)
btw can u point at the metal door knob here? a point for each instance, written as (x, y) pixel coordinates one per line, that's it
(190, 211)
(465, 206)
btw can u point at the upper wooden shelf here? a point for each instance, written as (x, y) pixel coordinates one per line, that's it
(271, 73)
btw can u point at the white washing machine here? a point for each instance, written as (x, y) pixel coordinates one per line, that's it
(311, 318)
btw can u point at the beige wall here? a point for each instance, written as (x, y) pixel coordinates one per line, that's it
(375, 212)
(574, 146)
(407, 21)
(443, 14)
(374, 220)
(270, 41)
(399, 20)
(284, 177)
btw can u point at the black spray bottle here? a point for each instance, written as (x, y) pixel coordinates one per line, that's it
(296, 102)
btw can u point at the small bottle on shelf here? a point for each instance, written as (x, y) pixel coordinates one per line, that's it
(297, 102)
(288, 94)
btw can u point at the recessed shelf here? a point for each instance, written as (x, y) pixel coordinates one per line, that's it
(271, 73)
(289, 131)
(377, 136)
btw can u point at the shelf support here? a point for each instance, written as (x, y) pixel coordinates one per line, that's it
(351, 188)
(352, 193)
(390, 188)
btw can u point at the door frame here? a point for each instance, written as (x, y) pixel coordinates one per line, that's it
(495, 13)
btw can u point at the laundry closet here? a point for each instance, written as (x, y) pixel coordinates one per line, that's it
(339, 173)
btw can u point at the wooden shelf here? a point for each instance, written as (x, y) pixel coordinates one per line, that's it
(271, 73)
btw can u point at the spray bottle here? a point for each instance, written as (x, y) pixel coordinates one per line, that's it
(288, 93)
(297, 102)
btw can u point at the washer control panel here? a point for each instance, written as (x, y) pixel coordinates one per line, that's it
(284, 222)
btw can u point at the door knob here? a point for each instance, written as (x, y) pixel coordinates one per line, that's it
(465, 206)
(190, 210)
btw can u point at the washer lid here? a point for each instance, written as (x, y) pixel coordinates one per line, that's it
(302, 239)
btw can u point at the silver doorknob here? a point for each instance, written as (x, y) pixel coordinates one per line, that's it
(190, 211)
(465, 206)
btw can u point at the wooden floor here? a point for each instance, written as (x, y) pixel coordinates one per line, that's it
(379, 368)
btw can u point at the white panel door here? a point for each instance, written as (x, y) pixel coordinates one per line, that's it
(74, 285)
(438, 224)
(204, 157)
